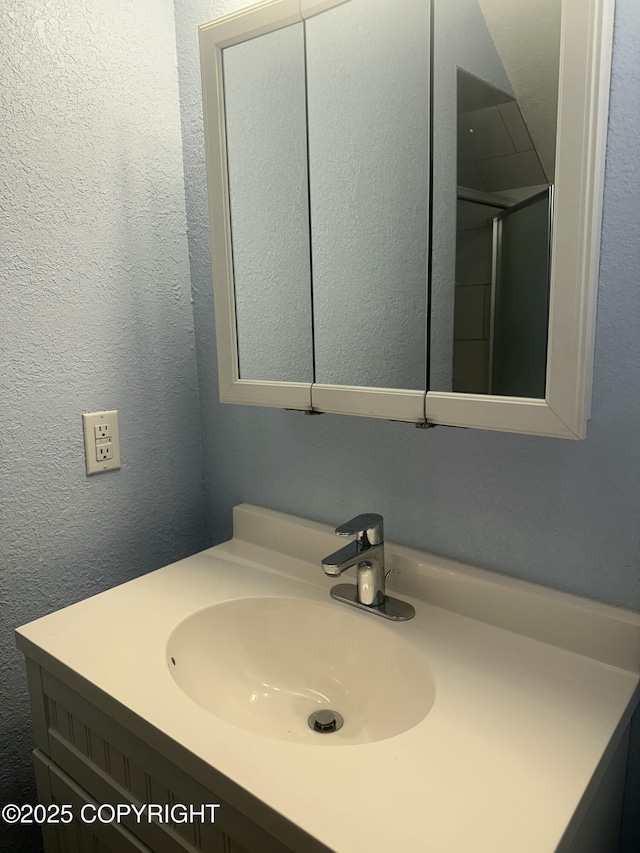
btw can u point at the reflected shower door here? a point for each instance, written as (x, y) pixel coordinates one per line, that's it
(520, 298)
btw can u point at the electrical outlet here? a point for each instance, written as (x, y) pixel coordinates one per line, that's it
(101, 441)
(104, 449)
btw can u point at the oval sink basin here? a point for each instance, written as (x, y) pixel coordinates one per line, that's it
(267, 664)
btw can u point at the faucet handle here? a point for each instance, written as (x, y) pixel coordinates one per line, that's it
(368, 528)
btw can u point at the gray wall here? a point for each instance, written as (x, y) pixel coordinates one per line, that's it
(95, 313)
(555, 512)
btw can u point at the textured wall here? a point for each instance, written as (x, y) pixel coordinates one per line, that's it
(95, 313)
(556, 512)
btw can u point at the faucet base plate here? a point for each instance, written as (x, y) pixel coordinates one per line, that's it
(391, 608)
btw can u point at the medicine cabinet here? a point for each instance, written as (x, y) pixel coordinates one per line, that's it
(405, 205)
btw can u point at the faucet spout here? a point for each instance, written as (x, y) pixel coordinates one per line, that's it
(350, 555)
(369, 560)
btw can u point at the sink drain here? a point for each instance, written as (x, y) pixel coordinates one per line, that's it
(325, 721)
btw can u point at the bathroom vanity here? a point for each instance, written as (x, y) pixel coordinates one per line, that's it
(495, 720)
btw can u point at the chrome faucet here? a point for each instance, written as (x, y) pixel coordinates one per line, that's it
(366, 552)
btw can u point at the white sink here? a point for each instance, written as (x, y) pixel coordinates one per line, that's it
(266, 664)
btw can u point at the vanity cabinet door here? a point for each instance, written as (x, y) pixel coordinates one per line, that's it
(108, 763)
(54, 786)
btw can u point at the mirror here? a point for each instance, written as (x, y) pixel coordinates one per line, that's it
(369, 190)
(265, 107)
(498, 61)
(405, 202)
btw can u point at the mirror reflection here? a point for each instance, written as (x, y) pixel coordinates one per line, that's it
(502, 248)
(368, 100)
(333, 172)
(491, 338)
(265, 108)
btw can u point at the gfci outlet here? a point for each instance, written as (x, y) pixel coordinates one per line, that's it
(104, 450)
(101, 441)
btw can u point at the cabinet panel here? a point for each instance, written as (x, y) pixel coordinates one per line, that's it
(111, 765)
(54, 786)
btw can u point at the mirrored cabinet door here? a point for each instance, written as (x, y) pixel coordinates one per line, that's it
(254, 110)
(368, 117)
(265, 106)
(520, 110)
(496, 79)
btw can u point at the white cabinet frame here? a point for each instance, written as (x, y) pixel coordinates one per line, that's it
(585, 66)
(224, 32)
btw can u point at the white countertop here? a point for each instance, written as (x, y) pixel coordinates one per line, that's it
(500, 763)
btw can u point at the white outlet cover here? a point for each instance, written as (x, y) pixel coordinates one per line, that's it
(91, 420)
